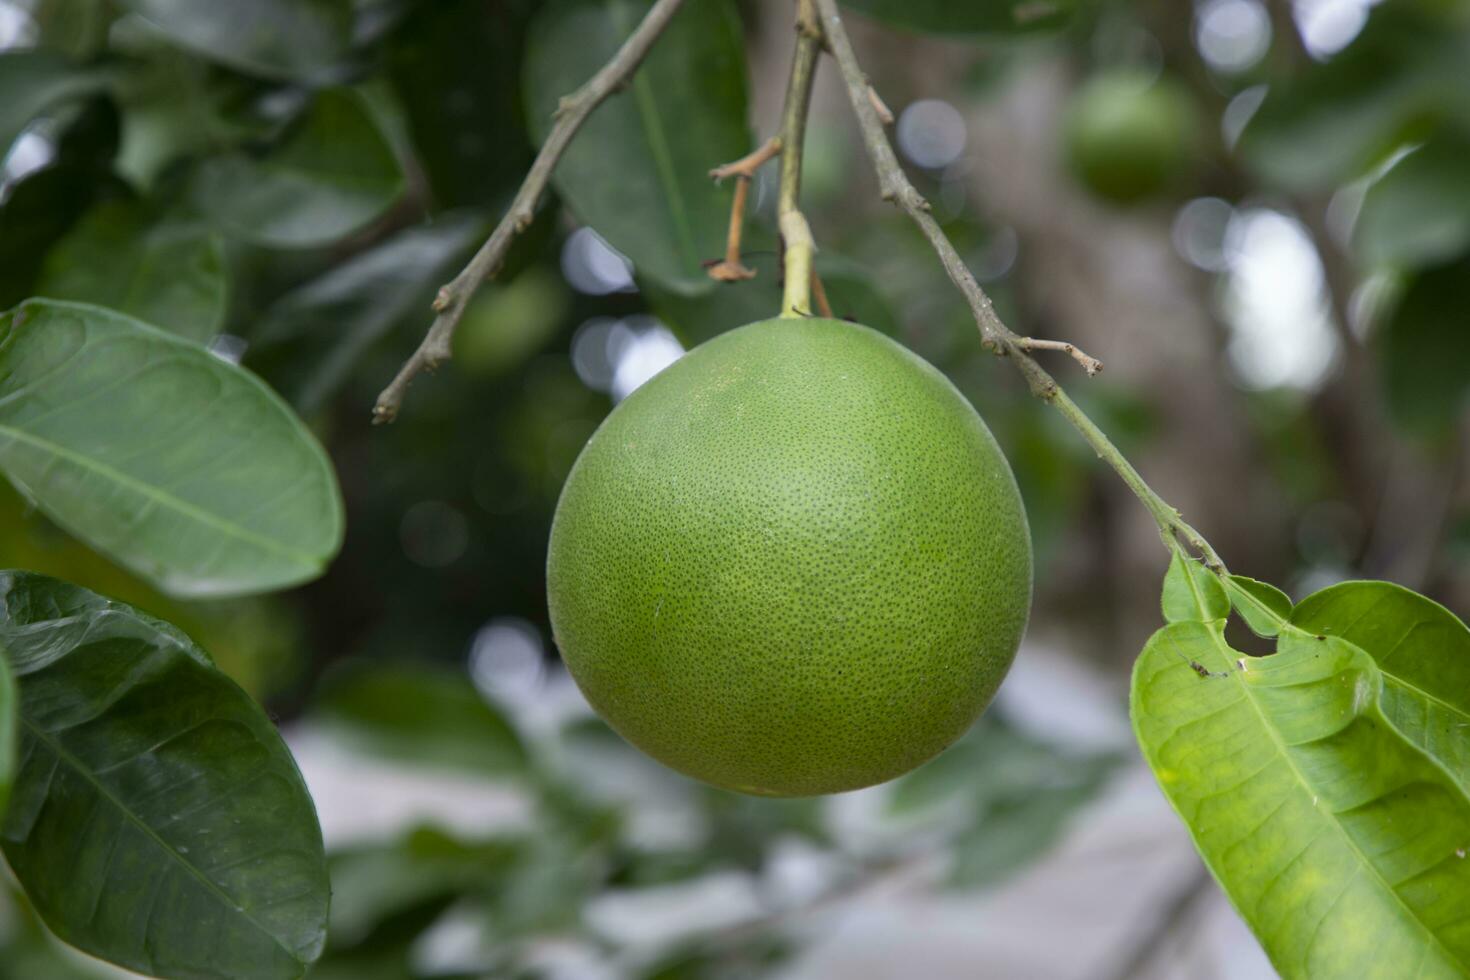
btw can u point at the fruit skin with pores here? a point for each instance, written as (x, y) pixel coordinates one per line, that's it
(1129, 136)
(795, 562)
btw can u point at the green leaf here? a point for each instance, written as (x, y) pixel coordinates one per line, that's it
(157, 821)
(638, 170)
(334, 173)
(9, 722)
(299, 39)
(34, 81)
(183, 467)
(1190, 587)
(1419, 212)
(1263, 606)
(1335, 120)
(1423, 651)
(324, 326)
(1341, 845)
(426, 713)
(1425, 361)
(160, 269)
(974, 17)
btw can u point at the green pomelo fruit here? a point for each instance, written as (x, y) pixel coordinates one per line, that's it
(1130, 137)
(795, 562)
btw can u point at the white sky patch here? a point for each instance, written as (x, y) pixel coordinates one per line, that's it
(1232, 35)
(1328, 26)
(593, 266)
(932, 133)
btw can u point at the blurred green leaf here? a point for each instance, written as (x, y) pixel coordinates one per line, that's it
(334, 173)
(1423, 651)
(1334, 120)
(506, 323)
(425, 713)
(1187, 586)
(38, 211)
(974, 17)
(161, 268)
(457, 68)
(183, 467)
(322, 328)
(638, 169)
(9, 722)
(305, 40)
(1424, 359)
(76, 28)
(126, 728)
(1336, 839)
(34, 81)
(1419, 212)
(1262, 605)
(372, 883)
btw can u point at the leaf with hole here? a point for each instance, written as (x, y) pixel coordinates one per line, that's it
(1423, 651)
(179, 465)
(1263, 606)
(162, 269)
(305, 40)
(333, 173)
(1340, 843)
(976, 17)
(638, 169)
(157, 819)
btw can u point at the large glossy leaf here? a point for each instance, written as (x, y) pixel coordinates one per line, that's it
(163, 270)
(973, 17)
(1425, 362)
(183, 467)
(1419, 212)
(157, 821)
(638, 170)
(426, 713)
(300, 39)
(34, 81)
(334, 173)
(9, 722)
(324, 326)
(1423, 651)
(1340, 843)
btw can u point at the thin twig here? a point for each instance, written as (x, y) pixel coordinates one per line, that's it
(885, 114)
(731, 268)
(994, 334)
(799, 248)
(819, 295)
(1089, 364)
(571, 113)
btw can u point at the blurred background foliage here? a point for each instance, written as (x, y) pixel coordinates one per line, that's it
(1256, 213)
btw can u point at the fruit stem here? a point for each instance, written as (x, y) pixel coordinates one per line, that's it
(799, 248)
(895, 186)
(571, 113)
(731, 268)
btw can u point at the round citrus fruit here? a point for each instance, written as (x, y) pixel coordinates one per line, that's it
(1129, 136)
(795, 562)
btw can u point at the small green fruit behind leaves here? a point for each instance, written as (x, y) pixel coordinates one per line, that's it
(638, 169)
(1129, 136)
(183, 467)
(334, 173)
(1340, 842)
(157, 819)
